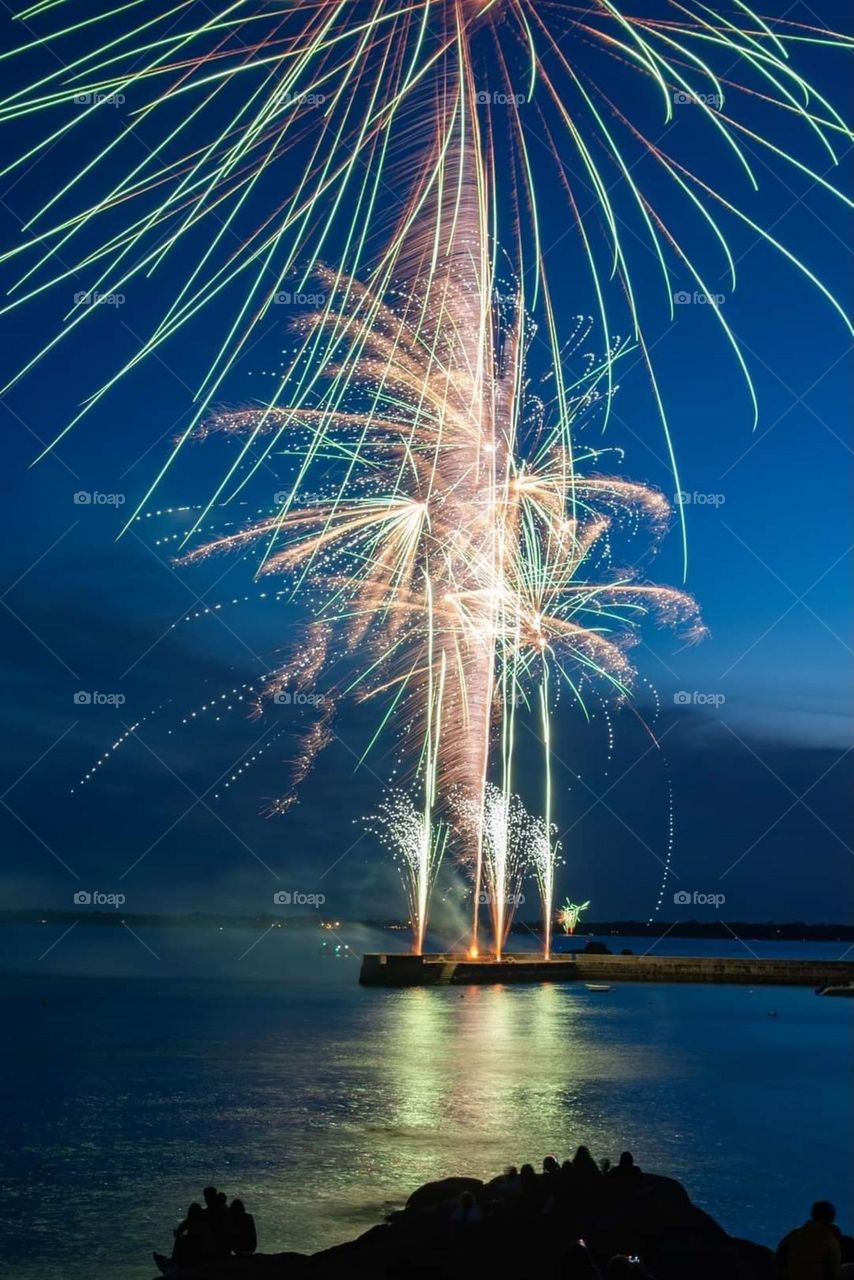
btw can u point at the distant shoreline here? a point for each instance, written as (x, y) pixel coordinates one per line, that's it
(768, 931)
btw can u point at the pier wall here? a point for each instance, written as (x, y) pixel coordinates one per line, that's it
(401, 970)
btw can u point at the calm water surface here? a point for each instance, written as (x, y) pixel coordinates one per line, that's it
(324, 1104)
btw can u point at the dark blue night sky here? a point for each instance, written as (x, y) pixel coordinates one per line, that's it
(755, 746)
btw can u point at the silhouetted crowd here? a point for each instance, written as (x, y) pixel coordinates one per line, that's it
(219, 1230)
(576, 1190)
(567, 1193)
(562, 1196)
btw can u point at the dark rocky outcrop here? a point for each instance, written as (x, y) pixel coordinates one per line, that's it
(522, 1238)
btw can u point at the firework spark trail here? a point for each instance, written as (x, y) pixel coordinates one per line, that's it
(544, 856)
(418, 845)
(223, 105)
(508, 833)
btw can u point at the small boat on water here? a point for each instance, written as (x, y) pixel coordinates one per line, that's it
(597, 986)
(838, 989)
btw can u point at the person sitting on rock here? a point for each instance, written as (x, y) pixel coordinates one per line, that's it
(217, 1216)
(510, 1184)
(586, 1170)
(626, 1168)
(531, 1191)
(467, 1212)
(812, 1252)
(194, 1242)
(550, 1184)
(242, 1238)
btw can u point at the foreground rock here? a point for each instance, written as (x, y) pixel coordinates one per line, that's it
(654, 1218)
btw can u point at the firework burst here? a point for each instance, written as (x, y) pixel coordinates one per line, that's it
(570, 914)
(245, 141)
(461, 559)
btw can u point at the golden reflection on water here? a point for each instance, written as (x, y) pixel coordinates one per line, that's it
(470, 1064)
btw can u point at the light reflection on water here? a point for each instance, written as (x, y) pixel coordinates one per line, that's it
(323, 1103)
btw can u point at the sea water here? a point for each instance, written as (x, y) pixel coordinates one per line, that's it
(133, 1079)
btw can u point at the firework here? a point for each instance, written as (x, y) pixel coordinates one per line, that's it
(503, 828)
(543, 857)
(570, 914)
(417, 845)
(461, 561)
(244, 142)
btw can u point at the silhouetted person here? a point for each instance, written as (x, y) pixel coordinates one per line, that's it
(511, 1184)
(550, 1185)
(587, 1172)
(530, 1185)
(467, 1212)
(242, 1238)
(194, 1242)
(812, 1252)
(626, 1168)
(219, 1224)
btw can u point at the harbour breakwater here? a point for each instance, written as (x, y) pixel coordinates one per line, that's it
(402, 970)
